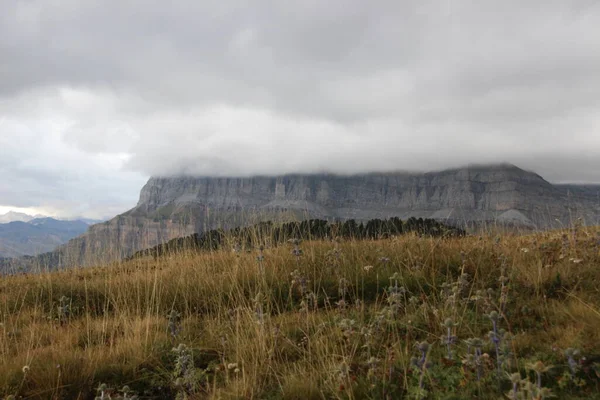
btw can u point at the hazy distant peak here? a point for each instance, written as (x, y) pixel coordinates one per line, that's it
(13, 216)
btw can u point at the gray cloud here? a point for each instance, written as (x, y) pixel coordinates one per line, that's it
(95, 96)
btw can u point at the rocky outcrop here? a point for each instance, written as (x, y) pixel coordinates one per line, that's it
(477, 193)
(171, 207)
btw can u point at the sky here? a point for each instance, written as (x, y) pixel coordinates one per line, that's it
(96, 96)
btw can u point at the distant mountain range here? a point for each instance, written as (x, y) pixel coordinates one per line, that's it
(13, 216)
(36, 235)
(173, 207)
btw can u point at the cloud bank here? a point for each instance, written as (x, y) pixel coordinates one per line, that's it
(96, 96)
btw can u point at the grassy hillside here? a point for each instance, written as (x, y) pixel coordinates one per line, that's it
(402, 317)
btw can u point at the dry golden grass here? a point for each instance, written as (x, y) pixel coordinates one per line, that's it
(252, 337)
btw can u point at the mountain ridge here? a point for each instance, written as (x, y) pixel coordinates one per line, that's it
(36, 236)
(171, 207)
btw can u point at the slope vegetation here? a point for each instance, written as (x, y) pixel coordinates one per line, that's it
(407, 316)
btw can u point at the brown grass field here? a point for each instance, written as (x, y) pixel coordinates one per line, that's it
(341, 320)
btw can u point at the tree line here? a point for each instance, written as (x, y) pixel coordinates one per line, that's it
(314, 229)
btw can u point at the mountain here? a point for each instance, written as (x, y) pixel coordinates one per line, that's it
(171, 207)
(37, 236)
(13, 216)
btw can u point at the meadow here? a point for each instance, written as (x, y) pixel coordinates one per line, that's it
(484, 316)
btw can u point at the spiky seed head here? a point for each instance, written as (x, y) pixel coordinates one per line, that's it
(539, 367)
(449, 323)
(494, 316)
(515, 378)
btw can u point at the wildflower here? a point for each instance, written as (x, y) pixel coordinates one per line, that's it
(474, 359)
(573, 365)
(102, 388)
(174, 323)
(515, 379)
(539, 368)
(449, 339)
(421, 362)
(347, 326)
(423, 347)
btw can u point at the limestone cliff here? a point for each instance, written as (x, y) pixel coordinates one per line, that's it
(171, 207)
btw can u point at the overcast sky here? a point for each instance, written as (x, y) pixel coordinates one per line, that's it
(98, 95)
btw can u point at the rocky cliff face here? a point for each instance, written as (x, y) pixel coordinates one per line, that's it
(173, 207)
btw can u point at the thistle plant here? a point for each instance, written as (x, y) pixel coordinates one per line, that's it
(311, 301)
(503, 279)
(297, 252)
(422, 365)
(496, 338)
(333, 258)
(396, 294)
(64, 310)
(454, 291)
(298, 279)
(347, 326)
(102, 392)
(343, 285)
(127, 394)
(539, 368)
(184, 373)
(473, 356)
(174, 324)
(367, 333)
(449, 339)
(571, 354)
(515, 380)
